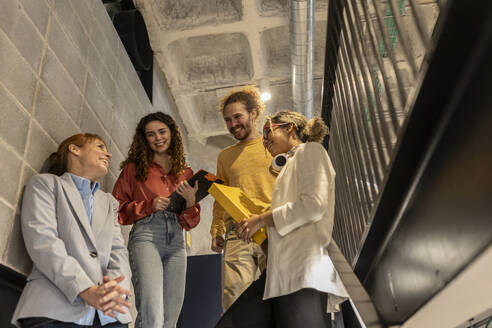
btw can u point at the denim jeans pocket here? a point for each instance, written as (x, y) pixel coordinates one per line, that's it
(177, 226)
(146, 219)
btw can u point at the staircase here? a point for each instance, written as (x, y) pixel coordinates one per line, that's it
(406, 96)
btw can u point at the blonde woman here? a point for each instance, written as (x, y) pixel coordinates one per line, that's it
(301, 283)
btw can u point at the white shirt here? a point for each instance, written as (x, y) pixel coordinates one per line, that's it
(303, 203)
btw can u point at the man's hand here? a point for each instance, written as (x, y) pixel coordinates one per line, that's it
(218, 244)
(109, 297)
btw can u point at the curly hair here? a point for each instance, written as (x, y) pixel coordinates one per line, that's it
(313, 130)
(142, 155)
(58, 160)
(249, 96)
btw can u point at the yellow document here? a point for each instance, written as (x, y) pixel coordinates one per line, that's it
(238, 205)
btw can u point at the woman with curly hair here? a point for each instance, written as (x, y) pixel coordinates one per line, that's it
(154, 169)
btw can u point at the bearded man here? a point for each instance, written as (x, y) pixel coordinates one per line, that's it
(245, 165)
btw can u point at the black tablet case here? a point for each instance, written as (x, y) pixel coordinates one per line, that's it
(205, 179)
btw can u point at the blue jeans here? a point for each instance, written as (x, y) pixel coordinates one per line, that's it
(158, 261)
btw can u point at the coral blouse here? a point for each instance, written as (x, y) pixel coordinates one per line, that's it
(136, 197)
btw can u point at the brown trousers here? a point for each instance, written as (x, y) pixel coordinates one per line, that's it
(242, 264)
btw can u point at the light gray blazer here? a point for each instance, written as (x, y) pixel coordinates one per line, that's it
(69, 253)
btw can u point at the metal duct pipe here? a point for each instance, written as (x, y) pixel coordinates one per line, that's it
(301, 48)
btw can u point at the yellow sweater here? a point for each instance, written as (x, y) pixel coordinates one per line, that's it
(244, 165)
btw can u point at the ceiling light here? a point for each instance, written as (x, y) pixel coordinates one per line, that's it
(265, 96)
(265, 90)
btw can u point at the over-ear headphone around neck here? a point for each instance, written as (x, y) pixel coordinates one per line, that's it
(280, 160)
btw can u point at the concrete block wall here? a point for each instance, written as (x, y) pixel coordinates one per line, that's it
(63, 71)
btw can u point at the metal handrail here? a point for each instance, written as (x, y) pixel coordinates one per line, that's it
(377, 60)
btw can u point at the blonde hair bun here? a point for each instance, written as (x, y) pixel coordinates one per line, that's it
(313, 130)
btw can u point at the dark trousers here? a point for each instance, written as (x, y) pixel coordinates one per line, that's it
(50, 323)
(304, 308)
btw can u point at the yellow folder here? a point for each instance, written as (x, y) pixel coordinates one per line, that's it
(238, 205)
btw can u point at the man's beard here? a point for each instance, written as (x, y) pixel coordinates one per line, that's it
(244, 132)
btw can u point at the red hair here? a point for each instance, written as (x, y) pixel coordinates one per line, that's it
(58, 160)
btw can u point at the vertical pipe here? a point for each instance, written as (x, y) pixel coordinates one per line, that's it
(302, 55)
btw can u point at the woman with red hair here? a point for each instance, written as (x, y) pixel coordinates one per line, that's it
(80, 274)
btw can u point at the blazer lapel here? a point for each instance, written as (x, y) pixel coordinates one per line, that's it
(75, 200)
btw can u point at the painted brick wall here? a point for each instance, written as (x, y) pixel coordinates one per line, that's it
(63, 70)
